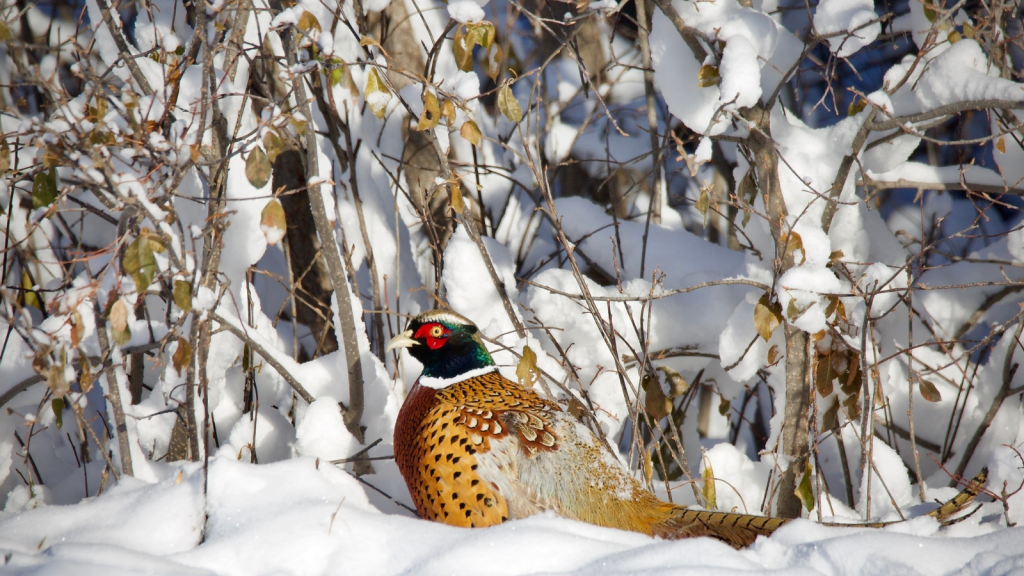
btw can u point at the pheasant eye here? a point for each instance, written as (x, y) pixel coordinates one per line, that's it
(437, 331)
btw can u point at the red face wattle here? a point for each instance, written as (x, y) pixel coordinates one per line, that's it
(434, 334)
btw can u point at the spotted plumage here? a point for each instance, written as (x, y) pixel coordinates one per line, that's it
(477, 449)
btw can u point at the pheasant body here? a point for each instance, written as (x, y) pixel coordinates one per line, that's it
(477, 449)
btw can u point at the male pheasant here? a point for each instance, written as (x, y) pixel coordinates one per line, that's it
(477, 449)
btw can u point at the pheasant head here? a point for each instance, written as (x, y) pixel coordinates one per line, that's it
(447, 344)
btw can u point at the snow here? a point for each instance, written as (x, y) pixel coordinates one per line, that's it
(465, 11)
(849, 20)
(305, 516)
(741, 73)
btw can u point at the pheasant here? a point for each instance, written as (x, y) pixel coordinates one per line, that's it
(477, 449)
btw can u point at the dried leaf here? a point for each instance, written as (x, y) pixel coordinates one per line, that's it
(703, 203)
(856, 107)
(968, 30)
(1001, 145)
(494, 57)
(457, 203)
(29, 296)
(272, 222)
(793, 243)
(57, 405)
(835, 256)
(182, 355)
(648, 466)
(5, 154)
(471, 132)
(773, 354)
(928, 390)
(655, 402)
(118, 318)
(5, 31)
(183, 295)
(767, 317)
(527, 371)
(139, 262)
(708, 76)
(448, 112)
(508, 104)
(56, 380)
(954, 36)
(77, 328)
(853, 382)
(309, 22)
(257, 167)
(677, 385)
(708, 491)
(824, 374)
(377, 94)
(431, 114)
(462, 50)
(804, 491)
(852, 404)
(44, 188)
(747, 191)
(830, 418)
(273, 144)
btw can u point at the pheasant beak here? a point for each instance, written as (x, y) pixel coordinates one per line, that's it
(403, 340)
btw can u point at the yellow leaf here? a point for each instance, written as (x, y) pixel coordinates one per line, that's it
(708, 76)
(118, 318)
(804, 491)
(471, 132)
(767, 317)
(458, 204)
(462, 50)
(431, 114)
(309, 22)
(527, 371)
(968, 30)
(44, 188)
(273, 145)
(272, 222)
(377, 94)
(1001, 145)
(856, 107)
(183, 295)
(29, 296)
(508, 104)
(448, 112)
(677, 385)
(954, 36)
(708, 491)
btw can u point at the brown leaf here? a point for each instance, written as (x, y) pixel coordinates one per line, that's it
(824, 374)
(773, 354)
(655, 402)
(830, 418)
(77, 328)
(928, 390)
(309, 22)
(1001, 145)
(257, 167)
(494, 57)
(767, 317)
(182, 355)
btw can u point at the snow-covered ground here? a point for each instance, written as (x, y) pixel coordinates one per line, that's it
(302, 516)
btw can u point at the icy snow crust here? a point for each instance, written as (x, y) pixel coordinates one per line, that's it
(302, 516)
